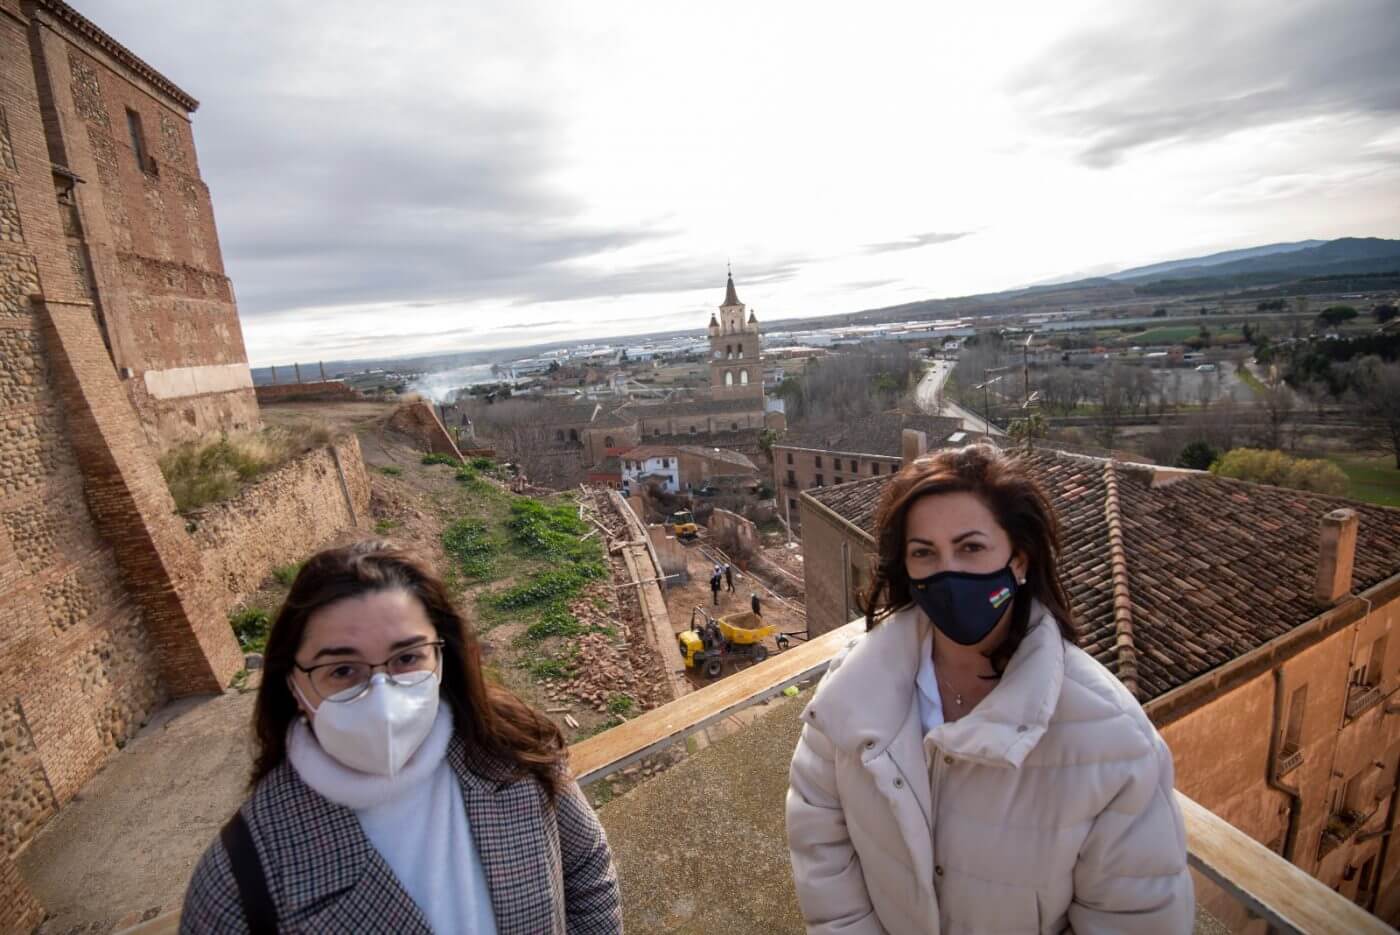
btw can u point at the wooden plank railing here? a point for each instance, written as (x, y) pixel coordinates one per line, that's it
(1287, 899)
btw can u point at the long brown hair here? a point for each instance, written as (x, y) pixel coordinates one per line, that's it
(485, 715)
(1020, 507)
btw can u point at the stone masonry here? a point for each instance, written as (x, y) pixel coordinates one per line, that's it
(118, 336)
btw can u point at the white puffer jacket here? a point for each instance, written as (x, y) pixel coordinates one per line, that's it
(1048, 808)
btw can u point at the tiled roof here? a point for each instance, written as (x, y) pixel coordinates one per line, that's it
(875, 435)
(694, 407)
(612, 464)
(720, 454)
(642, 452)
(1207, 568)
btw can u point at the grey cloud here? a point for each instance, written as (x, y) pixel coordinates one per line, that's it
(391, 189)
(1201, 70)
(916, 240)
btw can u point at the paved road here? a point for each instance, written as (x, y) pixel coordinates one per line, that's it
(929, 395)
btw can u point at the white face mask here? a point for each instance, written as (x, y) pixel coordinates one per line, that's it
(379, 731)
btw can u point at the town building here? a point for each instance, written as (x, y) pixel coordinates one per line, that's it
(685, 468)
(1258, 626)
(812, 456)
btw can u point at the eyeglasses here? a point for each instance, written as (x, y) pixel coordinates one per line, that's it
(347, 681)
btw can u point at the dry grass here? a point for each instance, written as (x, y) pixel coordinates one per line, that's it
(216, 468)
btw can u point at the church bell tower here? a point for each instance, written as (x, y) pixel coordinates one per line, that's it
(736, 364)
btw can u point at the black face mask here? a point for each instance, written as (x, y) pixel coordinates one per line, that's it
(965, 606)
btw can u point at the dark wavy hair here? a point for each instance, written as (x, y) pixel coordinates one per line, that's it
(485, 715)
(1020, 507)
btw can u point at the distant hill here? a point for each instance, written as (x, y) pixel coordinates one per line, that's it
(1215, 259)
(1332, 257)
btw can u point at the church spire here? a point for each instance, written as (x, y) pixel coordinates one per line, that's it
(730, 296)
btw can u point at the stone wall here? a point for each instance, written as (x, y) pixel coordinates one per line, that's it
(283, 518)
(320, 391)
(736, 535)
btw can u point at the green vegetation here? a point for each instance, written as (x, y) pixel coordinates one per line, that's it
(436, 458)
(385, 526)
(251, 626)
(621, 705)
(609, 724)
(1198, 455)
(1277, 468)
(1165, 334)
(555, 621)
(286, 574)
(486, 465)
(546, 587)
(549, 667)
(391, 470)
(471, 544)
(1372, 480)
(199, 473)
(1336, 314)
(551, 532)
(1248, 378)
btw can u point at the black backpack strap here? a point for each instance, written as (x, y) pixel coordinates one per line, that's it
(248, 874)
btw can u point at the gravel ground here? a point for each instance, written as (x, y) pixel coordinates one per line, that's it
(701, 848)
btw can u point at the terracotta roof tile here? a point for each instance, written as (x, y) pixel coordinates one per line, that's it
(1214, 567)
(878, 434)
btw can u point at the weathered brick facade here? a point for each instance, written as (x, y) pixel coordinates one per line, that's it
(138, 227)
(113, 304)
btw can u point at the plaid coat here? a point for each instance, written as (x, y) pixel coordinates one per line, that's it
(549, 869)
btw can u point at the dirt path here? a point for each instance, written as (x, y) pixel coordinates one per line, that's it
(681, 601)
(124, 848)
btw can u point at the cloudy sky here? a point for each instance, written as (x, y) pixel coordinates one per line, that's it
(430, 176)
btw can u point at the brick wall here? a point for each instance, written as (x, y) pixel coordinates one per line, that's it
(320, 391)
(141, 236)
(78, 673)
(828, 570)
(419, 422)
(283, 518)
(799, 469)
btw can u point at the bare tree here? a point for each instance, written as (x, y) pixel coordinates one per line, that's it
(1206, 390)
(1378, 399)
(1110, 394)
(1275, 402)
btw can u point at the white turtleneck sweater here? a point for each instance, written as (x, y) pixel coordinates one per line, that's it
(417, 821)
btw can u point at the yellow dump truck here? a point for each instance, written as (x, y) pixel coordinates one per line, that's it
(683, 526)
(712, 640)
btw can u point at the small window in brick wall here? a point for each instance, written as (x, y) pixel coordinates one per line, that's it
(820, 482)
(839, 480)
(819, 460)
(789, 457)
(138, 141)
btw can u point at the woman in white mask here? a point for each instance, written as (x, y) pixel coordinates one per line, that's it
(964, 767)
(395, 789)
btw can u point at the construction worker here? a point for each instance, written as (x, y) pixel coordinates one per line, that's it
(714, 586)
(729, 576)
(753, 602)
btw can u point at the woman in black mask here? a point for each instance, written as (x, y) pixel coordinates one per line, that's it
(965, 767)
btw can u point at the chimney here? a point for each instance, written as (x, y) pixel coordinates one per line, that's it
(912, 446)
(1336, 553)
